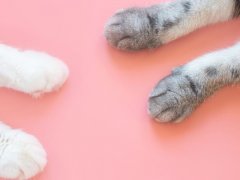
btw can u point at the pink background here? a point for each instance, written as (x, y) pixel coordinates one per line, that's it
(97, 127)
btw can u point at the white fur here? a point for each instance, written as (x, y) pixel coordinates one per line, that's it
(21, 155)
(30, 71)
(35, 73)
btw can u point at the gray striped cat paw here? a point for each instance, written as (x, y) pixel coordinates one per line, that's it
(173, 99)
(130, 29)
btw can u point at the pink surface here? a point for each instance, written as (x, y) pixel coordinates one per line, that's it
(97, 127)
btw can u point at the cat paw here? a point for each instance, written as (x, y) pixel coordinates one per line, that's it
(174, 98)
(21, 155)
(131, 29)
(42, 73)
(31, 72)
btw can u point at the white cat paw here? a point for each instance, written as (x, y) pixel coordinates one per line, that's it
(21, 154)
(31, 72)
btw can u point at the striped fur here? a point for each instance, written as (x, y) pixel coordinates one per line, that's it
(177, 95)
(237, 8)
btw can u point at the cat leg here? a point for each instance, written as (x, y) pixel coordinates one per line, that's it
(30, 72)
(138, 28)
(177, 95)
(21, 155)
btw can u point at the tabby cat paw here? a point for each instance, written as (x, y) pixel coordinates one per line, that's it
(173, 99)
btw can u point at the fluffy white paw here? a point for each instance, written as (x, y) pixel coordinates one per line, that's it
(21, 155)
(31, 72)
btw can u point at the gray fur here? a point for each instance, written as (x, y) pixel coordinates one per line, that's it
(237, 8)
(187, 6)
(211, 71)
(138, 28)
(235, 73)
(131, 29)
(178, 94)
(167, 24)
(150, 27)
(173, 99)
